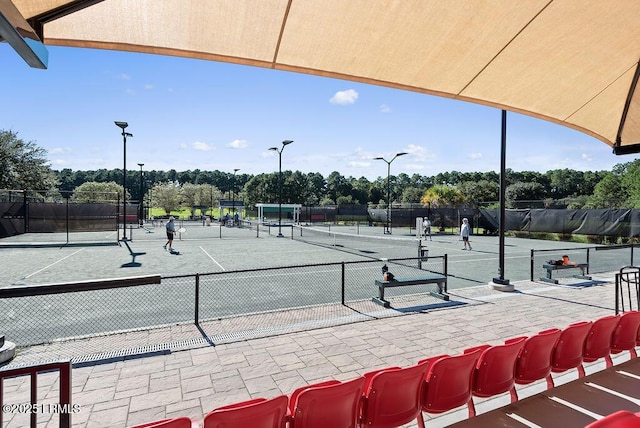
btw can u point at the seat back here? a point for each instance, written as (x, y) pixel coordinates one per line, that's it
(534, 361)
(568, 350)
(448, 383)
(598, 342)
(258, 413)
(619, 419)
(625, 336)
(336, 405)
(495, 369)
(181, 422)
(392, 397)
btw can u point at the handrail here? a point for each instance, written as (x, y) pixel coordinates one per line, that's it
(64, 410)
(72, 287)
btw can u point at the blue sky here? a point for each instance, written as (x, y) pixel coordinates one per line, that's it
(192, 114)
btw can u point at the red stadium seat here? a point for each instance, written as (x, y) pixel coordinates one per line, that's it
(598, 342)
(625, 336)
(568, 350)
(621, 419)
(181, 422)
(392, 396)
(494, 373)
(257, 413)
(448, 383)
(334, 404)
(534, 361)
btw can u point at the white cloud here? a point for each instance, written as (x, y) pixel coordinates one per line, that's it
(124, 76)
(148, 86)
(385, 109)
(417, 152)
(344, 97)
(586, 157)
(238, 144)
(359, 164)
(202, 147)
(475, 156)
(58, 150)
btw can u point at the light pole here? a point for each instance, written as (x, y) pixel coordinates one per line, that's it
(123, 126)
(141, 202)
(233, 193)
(388, 227)
(284, 143)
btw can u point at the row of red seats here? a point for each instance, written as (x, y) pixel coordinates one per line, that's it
(394, 396)
(621, 419)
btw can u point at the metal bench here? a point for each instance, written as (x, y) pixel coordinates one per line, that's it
(550, 268)
(427, 278)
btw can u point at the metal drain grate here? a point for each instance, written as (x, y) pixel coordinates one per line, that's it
(120, 354)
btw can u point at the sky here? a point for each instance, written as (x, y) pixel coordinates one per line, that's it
(188, 114)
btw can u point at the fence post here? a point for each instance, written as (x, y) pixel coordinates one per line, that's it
(343, 286)
(446, 270)
(617, 285)
(588, 260)
(197, 300)
(258, 230)
(531, 269)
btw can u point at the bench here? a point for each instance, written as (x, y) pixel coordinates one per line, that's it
(427, 278)
(550, 268)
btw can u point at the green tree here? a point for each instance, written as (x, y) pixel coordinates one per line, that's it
(92, 191)
(442, 195)
(477, 192)
(631, 182)
(24, 165)
(166, 196)
(523, 192)
(609, 192)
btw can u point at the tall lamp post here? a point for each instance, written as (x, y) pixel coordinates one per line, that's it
(141, 202)
(233, 192)
(284, 143)
(123, 126)
(388, 227)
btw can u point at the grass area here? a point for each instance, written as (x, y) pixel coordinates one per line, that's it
(186, 213)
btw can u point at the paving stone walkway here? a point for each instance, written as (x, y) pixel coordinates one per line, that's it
(136, 377)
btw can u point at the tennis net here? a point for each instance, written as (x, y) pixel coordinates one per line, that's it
(375, 247)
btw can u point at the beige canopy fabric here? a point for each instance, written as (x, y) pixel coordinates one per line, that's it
(570, 62)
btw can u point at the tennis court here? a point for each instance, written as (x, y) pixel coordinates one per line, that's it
(46, 258)
(231, 273)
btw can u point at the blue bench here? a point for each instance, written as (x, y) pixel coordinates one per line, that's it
(427, 278)
(550, 268)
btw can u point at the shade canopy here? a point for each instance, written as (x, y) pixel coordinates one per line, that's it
(574, 63)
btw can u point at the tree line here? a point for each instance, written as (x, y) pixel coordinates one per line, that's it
(26, 167)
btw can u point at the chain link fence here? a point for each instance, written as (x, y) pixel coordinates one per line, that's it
(599, 259)
(44, 313)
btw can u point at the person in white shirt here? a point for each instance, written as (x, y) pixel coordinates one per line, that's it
(426, 224)
(465, 231)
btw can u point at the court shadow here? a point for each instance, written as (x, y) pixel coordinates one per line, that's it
(422, 308)
(133, 254)
(583, 284)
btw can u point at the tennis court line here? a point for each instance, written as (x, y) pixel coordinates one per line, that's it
(214, 260)
(47, 267)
